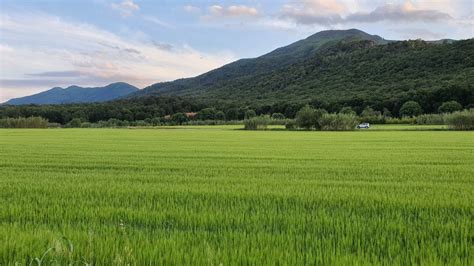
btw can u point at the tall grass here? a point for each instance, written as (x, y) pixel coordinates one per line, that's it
(24, 122)
(430, 119)
(461, 120)
(257, 122)
(338, 122)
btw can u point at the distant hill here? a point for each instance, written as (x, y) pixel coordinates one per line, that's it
(339, 68)
(76, 94)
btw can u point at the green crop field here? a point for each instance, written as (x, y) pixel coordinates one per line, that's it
(214, 195)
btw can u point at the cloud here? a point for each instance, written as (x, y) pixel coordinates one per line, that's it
(417, 33)
(157, 21)
(334, 12)
(163, 46)
(56, 74)
(403, 13)
(233, 11)
(191, 9)
(41, 51)
(305, 15)
(126, 8)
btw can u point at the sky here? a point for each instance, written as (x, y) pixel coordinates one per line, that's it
(51, 43)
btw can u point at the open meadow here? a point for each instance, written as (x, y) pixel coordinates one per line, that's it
(212, 195)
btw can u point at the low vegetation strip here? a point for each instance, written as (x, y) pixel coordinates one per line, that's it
(148, 196)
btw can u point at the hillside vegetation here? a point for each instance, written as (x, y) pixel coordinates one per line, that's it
(354, 73)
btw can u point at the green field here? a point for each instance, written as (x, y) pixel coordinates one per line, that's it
(213, 195)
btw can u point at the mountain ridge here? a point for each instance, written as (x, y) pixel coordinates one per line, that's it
(76, 94)
(278, 58)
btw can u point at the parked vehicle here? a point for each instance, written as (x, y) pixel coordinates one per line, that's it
(363, 125)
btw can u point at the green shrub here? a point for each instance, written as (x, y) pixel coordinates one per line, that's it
(156, 121)
(290, 125)
(54, 125)
(212, 122)
(430, 119)
(402, 120)
(86, 125)
(22, 122)
(140, 123)
(338, 122)
(257, 122)
(307, 117)
(461, 120)
(76, 122)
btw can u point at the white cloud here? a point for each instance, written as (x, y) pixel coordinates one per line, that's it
(307, 15)
(191, 9)
(233, 11)
(126, 8)
(417, 33)
(332, 12)
(405, 13)
(157, 21)
(40, 51)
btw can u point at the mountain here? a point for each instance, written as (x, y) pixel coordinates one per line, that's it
(277, 59)
(339, 68)
(76, 94)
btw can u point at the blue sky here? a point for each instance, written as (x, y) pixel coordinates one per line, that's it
(48, 43)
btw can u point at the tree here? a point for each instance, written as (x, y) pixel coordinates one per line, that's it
(232, 113)
(449, 107)
(179, 118)
(75, 122)
(219, 115)
(386, 113)
(206, 114)
(347, 110)
(249, 114)
(370, 112)
(278, 116)
(319, 113)
(411, 108)
(306, 117)
(369, 115)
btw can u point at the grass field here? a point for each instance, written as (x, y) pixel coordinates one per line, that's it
(215, 195)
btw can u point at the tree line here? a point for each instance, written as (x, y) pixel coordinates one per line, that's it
(182, 110)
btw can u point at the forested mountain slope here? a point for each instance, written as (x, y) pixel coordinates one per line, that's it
(357, 73)
(277, 59)
(351, 70)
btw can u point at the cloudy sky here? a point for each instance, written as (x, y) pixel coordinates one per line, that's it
(48, 43)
